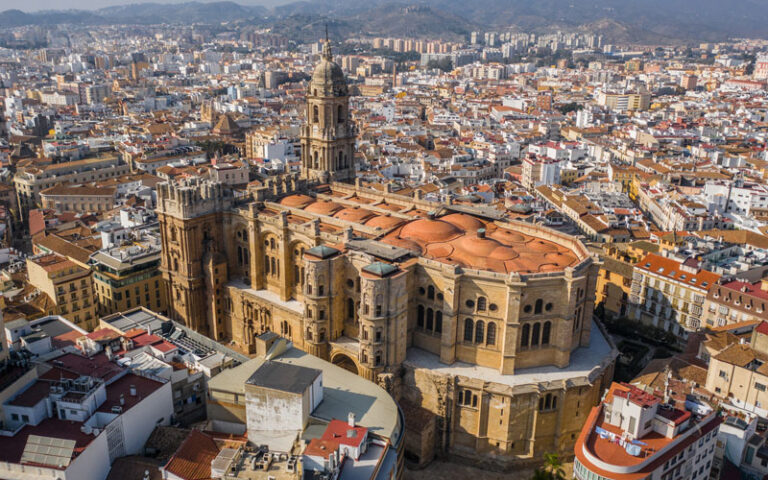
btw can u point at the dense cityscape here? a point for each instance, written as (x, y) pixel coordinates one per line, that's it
(229, 252)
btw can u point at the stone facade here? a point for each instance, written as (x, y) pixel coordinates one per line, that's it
(363, 278)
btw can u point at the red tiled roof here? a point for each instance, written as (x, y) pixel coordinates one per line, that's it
(671, 269)
(192, 461)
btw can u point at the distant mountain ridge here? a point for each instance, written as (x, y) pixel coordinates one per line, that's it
(645, 21)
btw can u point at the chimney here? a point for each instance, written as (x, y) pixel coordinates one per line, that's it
(351, 419)
(480, 233)
(133, 390)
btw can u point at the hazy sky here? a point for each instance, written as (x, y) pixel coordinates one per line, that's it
(33, 5)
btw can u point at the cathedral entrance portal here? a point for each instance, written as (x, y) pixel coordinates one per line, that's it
(345, 362)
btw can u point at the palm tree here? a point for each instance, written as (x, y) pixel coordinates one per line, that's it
(554, 466)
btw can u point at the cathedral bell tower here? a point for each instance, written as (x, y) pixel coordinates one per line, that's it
(328, 137)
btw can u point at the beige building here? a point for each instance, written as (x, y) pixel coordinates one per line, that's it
(30, 180)
(670, 294)
(739, 373)
(625, 101)
(485, 323)
(67, 284)
(65, 198)
(129, 276)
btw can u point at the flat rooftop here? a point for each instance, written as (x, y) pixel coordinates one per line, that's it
(586, 363)
(343, 392)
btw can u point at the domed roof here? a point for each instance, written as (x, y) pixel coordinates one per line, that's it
(355, 215)
(464, 221)
(322, 207)
(328, 80)
(383, 221)
(297, 201)
(428, 230)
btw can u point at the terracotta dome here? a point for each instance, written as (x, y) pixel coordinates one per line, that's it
(507, 236)
(464, 222)
(505, 253)
(385, 222)
(540, 246)
(297, 201)
(355, 215)
(476, 246)
(427, 231)
(321, 207)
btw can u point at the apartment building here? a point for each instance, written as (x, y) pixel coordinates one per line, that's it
(736, 301)
(69, 287)
(634, 434)
(128, 275)
(30, 180)
(670, 294)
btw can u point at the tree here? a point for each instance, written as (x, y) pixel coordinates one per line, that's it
(551, 470)
(444, 63)
(570, 107)
(554, 466)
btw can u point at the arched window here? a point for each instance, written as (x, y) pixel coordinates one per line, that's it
(340, 115)
(545, 333)
(548, 402)
(271, 243)
(474, 400)
(468, 328)
(175, 264)
(315, 114)
(317, 159)
(338, 163)
(430, 319)
(525, 335)
(467, 397)
(420, 317)
(272, 265)
(490, 337)
(536, 334)
(480, 332)
(239, 255)
(554, 402)
(431, 292)
(481, 304)
(350, 308)
(438, 322)
(539, 304)
(460, 401)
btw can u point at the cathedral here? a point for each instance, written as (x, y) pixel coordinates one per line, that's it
(480, 327)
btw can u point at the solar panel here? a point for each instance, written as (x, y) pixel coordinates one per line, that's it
(49, 451)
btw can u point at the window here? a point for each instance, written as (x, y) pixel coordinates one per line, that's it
(490, 337)
(480, 332)
(545, 333)
(525, 335)
(536, 334)
(340, 115)
(431, 292)
(527, 309)
(420, 316)
(481, 304)
(470, 303)
(548, 307)
(723, 374)
(760, 387)
(468, 328)
(438, 322)
(537, 308)
(315, 114)
(430, 319)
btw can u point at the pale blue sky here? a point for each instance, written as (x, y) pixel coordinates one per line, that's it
(34, 5)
